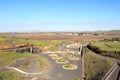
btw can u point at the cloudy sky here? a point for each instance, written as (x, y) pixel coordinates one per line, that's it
(59, 15)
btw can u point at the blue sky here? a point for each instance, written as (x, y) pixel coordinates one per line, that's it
(59, 15)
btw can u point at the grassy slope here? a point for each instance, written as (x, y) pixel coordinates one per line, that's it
(11, 75)
(7, 58)
(95, 65)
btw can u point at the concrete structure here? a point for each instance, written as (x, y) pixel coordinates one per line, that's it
(21, 49)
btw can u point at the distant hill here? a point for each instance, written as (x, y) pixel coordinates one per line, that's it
(114, 30)
(108, 31)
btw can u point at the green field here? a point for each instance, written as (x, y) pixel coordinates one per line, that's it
(111, 49)
(95, 66)
(111, 46)
(51, 44)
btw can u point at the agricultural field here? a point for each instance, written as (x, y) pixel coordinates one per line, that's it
(111, 46)
(108, 48)
(58, 36)
(51, 45)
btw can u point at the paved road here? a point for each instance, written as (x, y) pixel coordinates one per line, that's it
(58, 73)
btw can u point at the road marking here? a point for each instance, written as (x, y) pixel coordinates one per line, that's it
(23, 72)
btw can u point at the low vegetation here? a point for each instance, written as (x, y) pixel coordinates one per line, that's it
(70, 66)
(74, 58)
(11, 75)
(111, 49)
(7, 58)
(76, 78)
(76, 53)
(54, 48)
(113, 39)
(2, 39)
(95, 66)
(62, 61)
(51, 45)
